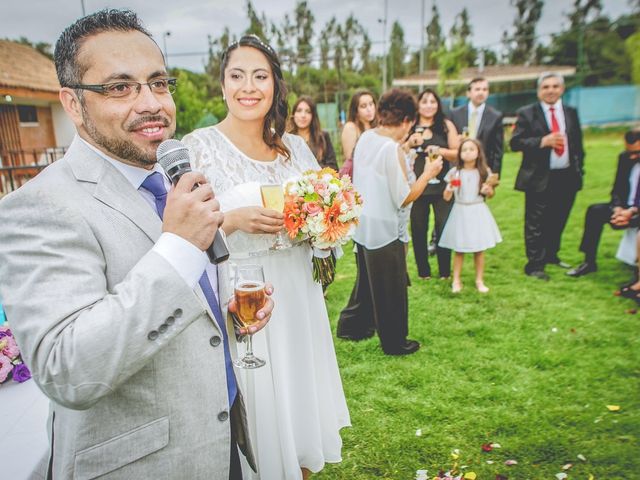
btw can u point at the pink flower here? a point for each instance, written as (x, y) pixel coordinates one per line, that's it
(5, 367)
(348, 197)
(10, 349)
(312, 208)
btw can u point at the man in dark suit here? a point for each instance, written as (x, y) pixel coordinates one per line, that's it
(482, 122)
(620, 213)
(549, 136)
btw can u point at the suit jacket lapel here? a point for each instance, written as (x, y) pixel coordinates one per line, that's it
(538, 115)
(112, 188)
(483, 120)
(568, 121)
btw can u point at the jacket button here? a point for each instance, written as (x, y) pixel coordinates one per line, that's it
(170, 321)
(215, 341)
(223, 416)
(153, 335)
(177, 313)
(163, 328)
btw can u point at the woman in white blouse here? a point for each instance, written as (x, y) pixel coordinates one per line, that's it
(379, 298)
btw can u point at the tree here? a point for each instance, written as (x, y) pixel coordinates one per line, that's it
(304, 34)
(212, 68)
(328, 32)
(632, 45)
(460, 34)
(258, 24)
(397, 52)
(43, 47)
(451, 62)
(435, 40)
(520, 46)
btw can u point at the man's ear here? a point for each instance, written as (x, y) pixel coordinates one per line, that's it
(71, 104)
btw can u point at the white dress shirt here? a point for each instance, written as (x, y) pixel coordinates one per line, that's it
(557, 162)
(634, 175)
(187, 259)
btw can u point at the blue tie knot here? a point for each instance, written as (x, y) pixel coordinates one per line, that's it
(154, 183)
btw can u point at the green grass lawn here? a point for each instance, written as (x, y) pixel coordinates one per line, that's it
(531, 366)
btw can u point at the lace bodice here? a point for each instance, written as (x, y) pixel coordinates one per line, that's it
(236, 178)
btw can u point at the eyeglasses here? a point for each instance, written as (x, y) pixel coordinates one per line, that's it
(126, 88)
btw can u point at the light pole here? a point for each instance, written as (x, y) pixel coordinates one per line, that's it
(421, 68)
(164, 44)
(83, 9)
(384, 47)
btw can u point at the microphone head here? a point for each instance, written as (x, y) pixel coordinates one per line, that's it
(173, 157)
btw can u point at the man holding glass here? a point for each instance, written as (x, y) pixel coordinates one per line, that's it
(105, 278)
(549, 136)
(482, 122)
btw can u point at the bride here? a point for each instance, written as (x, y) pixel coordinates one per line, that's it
(295, 404)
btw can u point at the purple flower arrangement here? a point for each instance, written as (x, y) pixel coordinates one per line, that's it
(11, 365)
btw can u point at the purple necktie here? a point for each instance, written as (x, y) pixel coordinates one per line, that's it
(154, 183)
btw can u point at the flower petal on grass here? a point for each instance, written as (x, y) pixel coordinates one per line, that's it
(561, 476)
(490, 462)
(582, 457)
(567, 466)
(419, 432)
(511, 462)
(470, 476)
(496, 445)
(487, 447)
(613, 408)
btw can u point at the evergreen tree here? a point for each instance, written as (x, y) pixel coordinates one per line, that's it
(304, 34)
(520, 46)
(397, 52)
(435, 39)
(327, 34)
(258, 24)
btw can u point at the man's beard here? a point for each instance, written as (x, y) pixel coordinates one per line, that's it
(123, 149)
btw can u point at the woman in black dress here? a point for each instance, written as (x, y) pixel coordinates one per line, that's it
(436, 130)
(304, 122)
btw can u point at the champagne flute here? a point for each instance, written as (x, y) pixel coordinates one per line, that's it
(250, 297)
(433, 152)
(419, 129)
(273, 198)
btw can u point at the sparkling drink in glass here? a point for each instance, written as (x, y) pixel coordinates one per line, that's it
(420, 130)
(250, 297)
(273, 198)
(433, 152)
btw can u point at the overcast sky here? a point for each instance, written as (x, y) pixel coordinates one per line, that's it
(190, 21)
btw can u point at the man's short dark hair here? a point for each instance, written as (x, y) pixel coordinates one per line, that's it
(476, 80)
(70, 71)
(632, 136)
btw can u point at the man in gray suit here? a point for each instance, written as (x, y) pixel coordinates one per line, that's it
(106, 283)
(482, 122)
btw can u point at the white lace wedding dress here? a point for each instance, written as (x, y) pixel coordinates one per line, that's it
(295, 404)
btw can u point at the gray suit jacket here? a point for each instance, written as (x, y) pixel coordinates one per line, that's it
(129, 355)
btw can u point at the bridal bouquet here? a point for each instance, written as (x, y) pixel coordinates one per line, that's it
(10, 362)
(323, 207)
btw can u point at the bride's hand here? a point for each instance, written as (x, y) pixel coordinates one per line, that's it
(253, 220)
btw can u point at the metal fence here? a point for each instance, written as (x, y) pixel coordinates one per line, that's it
(19, 166)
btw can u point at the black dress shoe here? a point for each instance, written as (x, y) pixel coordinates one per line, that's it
(409, 347)
(558, 263)
(582, 269)
(539, 274)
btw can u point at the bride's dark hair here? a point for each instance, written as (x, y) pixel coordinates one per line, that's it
(276, 118)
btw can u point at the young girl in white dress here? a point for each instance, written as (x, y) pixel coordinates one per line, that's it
(295, 404)
(470, 227)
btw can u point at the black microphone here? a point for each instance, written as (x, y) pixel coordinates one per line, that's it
(173, 157)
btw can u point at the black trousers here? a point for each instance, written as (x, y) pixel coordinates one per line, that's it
(545, 217)
(235, 470)
(598, 215)
(420, 211)
(379, 297)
